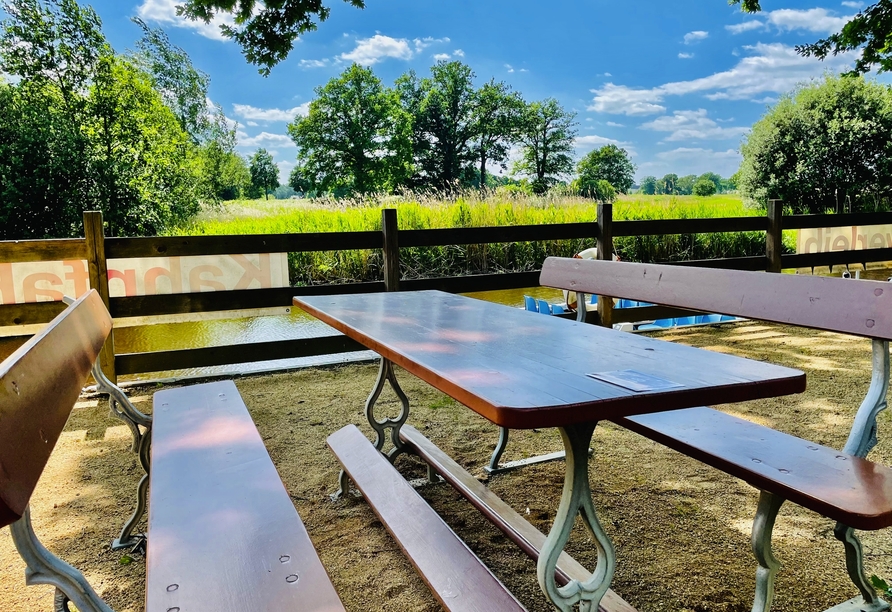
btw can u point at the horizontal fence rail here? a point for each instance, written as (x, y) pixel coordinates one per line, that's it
(96, 249)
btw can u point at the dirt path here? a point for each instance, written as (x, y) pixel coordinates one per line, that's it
(681, 529)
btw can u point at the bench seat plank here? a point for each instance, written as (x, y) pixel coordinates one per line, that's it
(456, 577)
(503, 516)
(845, 488)
(224, 533)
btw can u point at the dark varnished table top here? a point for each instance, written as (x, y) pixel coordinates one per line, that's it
(521, 369)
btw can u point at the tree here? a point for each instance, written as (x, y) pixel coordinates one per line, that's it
(609, 163)
(264, 172)
(266, 30)
(823, 147)
(446, 125)
(496, 117)
(715, 179)
(649, 185)
(704, 187)
(685, 184)
(355, 137)
(668, 184)
(183, 87)
(870, 30)
(547, 138)
(299, 181)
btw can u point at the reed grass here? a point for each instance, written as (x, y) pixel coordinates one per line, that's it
(475, 210)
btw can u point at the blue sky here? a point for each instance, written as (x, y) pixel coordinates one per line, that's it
(677, 83)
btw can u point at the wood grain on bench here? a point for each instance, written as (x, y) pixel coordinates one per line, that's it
(833, 304)
(224, 534)
(518, 529)
(454, 574)
(39, 384)
(844, 488)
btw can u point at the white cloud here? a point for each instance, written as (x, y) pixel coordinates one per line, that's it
(265, 140)
(615, 124)
(285, 168)
(524, 70)
(458, 53)
(442, 57)
(693, 125)
(372, 50)
(165, 12)
(817, 20)
(423, 43)
(251, 123)
(687, 160)
(746, 26)
(246, 111)
(313, 63)
(508, 66)
(695, 36)
(685, 55)
(772, 68)
(622, 100)
(854, 5)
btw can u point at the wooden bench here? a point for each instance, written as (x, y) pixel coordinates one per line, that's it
(224, 533)
(454, 574)
(843, 485)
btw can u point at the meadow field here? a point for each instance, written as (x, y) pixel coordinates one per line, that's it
(472, 210)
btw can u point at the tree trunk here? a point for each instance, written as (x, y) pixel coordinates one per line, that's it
(482, 172)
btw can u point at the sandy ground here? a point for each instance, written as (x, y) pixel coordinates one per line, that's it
(681, 529)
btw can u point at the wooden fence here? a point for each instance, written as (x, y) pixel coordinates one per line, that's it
(96, 249)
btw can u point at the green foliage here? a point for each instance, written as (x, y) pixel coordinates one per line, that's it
(609, 163)
(870, 30)
(547, 139)
(704, 187)
(355, 137)
(881, 585)
(83, 129)
(497, 117)
(506, 206)
(668, 185)
(266, 30)
(649, 185)
(264, 172)
(826, 146)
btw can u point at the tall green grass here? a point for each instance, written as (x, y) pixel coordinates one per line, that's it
(474, 210)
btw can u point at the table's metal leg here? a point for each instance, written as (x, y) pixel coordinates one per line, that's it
(43, 567)
(576, 500)
(497, 453)
(385, 375)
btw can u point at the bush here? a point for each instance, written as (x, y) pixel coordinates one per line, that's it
(704, 187)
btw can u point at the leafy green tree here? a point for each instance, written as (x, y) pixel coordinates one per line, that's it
(266, 30)
(649, 185)
(447, 126)
(823, 147)
(264, 172)
(355, 137)
(300, 181)
(496, 116)
(715, 179)
(704, 187)
(870, 31)
(141, 156)
(609, 163)
(685, 184)
(668, 185)
(547, 135)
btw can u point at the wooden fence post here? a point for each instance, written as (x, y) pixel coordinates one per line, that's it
(391, 250)
(98, 270)
(605, 252)
(774, 236)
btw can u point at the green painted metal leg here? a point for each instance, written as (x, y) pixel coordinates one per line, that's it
(576, 500)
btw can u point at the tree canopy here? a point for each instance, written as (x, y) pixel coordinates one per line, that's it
(608, 163)
(825, 146)
(547, 138)
(266, 30)
(264, 172)
(870, 30)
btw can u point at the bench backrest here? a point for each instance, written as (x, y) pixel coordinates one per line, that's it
(39, 385)
(862, 308)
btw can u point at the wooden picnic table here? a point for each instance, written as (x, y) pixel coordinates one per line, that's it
(524, 370)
